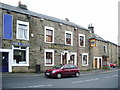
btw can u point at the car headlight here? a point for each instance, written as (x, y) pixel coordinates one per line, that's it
(53, 71)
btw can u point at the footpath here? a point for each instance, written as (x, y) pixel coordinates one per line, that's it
(82, 73)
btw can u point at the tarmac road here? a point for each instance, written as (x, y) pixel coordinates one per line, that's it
(91, 79)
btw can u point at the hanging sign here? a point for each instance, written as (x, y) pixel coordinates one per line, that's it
(92, 42)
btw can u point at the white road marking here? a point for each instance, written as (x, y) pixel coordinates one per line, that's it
(35, 86)
(111, 76)
(86, 80)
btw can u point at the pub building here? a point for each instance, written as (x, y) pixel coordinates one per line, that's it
(33, 42)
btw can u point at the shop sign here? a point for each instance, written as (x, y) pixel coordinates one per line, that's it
(92, 42)
(59, 47)
(20, 44)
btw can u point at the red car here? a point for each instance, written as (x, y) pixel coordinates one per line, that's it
(60, 71)
(112, 65)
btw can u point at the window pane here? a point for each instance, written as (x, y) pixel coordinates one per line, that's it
(22, 31)
(81, 40)
(48, 57)
(20, 56)
(49, 38)
(49, 32)
(49, 35)
(68, 38)
(85, 59)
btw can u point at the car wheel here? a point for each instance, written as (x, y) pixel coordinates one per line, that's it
(59, 75)
(77, 74)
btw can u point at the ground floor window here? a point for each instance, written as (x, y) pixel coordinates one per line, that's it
(85, 59)
(20, 56)
(49, 57)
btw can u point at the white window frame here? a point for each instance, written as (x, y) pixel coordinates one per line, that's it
(51, 28)
(84, 40)
(87, 59)
(24, 23)
(71, 37)
(27, 56)
(48, 50)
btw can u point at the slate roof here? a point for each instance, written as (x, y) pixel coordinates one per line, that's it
(95, 36)
(27, 12)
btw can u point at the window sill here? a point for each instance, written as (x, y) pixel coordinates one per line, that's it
(20, 64)
(49, 65)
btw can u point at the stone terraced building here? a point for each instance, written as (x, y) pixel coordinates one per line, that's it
(33, 42)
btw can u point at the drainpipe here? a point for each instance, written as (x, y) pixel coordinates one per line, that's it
(77, 49)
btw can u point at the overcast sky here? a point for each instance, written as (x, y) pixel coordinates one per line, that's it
(103, 14)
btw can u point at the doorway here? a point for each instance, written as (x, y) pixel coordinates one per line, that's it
(97, 62)
(5, 59)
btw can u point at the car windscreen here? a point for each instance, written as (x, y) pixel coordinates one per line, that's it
(58, 66)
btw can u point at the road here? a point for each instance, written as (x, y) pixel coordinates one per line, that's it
(102, 80)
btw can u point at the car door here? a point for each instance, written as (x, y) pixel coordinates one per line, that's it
(72, 69)
(66, 70)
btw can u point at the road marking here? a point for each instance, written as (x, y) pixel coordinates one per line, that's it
(34, 86)
(111, 76)
(86, 80)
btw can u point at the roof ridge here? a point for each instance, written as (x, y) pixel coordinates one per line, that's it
(32, 13)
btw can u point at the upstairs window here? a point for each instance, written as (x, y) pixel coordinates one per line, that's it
(81, 40)
(105, 48)
(68, 38)
(49, 34)
(22, 30)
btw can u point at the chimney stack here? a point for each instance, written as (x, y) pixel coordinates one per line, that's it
(91, 28)
(22, 6)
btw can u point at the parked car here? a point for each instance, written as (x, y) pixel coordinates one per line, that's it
(60, 71)
(112, 65)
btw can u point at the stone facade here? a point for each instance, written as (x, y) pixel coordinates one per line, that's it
(37, 49)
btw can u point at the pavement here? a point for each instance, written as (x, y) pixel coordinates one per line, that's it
(82, 73)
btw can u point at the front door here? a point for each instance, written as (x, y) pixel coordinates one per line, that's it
(5, 61)
(95, 62)
(100, 62)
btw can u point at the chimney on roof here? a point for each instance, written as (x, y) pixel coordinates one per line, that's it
(67, 19)
(22, 6)
(91, 28)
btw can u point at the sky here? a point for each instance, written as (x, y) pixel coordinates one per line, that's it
(103, 14)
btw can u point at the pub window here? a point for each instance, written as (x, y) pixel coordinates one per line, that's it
(72, 57)
(68, 38)
(22, 30)
(20, 56)
(49, 57)
(49, 34)
(81, 40)
(85, 59)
